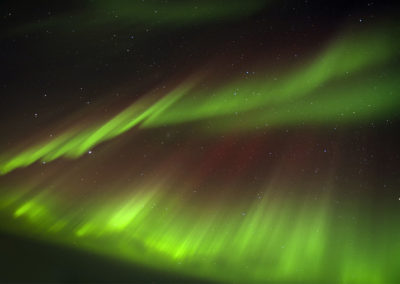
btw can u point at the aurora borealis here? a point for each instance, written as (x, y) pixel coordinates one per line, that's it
(214, 141)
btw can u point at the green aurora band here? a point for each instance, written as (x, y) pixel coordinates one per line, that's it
(277, 239)
(348, 82)
(149, 13)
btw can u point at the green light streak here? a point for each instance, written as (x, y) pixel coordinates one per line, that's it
(76, 143)
(365, 54)
(277, 239)
(150, 13)
(342, 85)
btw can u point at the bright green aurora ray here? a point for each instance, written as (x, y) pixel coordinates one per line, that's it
(275, 239)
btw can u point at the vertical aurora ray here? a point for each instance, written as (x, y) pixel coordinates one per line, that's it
(275, 239)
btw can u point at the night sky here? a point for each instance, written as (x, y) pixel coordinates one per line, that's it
(200, 141)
